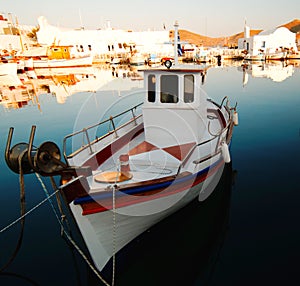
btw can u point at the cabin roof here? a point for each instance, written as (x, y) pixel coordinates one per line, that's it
(183, 69)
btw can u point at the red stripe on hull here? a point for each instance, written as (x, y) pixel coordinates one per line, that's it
(123, 200)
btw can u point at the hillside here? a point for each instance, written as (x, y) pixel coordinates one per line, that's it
(293, 26)
(230, 41)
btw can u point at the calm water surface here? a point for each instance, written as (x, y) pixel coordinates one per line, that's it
(246, 233)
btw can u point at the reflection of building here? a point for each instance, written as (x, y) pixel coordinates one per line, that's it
(64, 82)
(91, 80)
(276, 71)
(14, 94)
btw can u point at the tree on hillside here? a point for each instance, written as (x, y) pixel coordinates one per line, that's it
(32, 34)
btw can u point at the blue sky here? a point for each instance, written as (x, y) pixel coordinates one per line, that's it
(212, 17)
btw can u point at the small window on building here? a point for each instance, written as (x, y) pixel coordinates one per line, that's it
(90, 47)
(120, 45)
(188, 88)
(151, 87)
(169, 89)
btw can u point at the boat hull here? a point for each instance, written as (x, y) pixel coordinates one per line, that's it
(61, 63)
(255, 57)
(276, 56)
(107, 232)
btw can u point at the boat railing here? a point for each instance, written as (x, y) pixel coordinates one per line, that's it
(227, 129)
(88, 142)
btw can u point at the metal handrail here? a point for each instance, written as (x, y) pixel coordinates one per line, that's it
(214, 136)
(85, 130)
(187, 156)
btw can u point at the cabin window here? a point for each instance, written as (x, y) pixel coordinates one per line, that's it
(169, 89)
(263, 45)
(151, 87)
(120, 45)
(188, 88)
(90, 47)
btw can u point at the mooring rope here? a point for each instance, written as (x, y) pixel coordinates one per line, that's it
(114, 233)
(85, 258)
(27, 213)
(23, 210)
(24, 214)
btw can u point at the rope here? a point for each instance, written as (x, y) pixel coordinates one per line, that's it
(23, 210)
(67, 235)
(114, 188)
(28, 212)
(21, 277)
(114, 234)
(22, 219)
(59, 204)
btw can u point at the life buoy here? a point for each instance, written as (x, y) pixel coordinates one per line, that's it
(168, 64)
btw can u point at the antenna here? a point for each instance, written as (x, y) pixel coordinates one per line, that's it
(176, 25)
(81, 24)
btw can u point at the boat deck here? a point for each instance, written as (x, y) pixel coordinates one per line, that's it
(148, 162)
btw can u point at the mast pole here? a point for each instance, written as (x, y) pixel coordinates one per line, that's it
(176, 42)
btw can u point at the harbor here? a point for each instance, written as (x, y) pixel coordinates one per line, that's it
(199, 197)
(261, 209)
(49, 46)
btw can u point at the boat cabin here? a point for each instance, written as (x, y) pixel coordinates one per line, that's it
(59, 52)
(175, 108)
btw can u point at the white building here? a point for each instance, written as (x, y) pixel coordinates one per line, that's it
(106, 41)
(268, 42)
(9, 38)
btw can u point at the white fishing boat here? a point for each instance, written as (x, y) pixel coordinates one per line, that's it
(137, 59)
(293, 56)
(257, 57)
(59, 57)
(153, 59)
(156, 158)
(115, 60)
(276, 56)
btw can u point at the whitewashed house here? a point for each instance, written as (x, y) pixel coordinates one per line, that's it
(106, 41)
(10, 38)
(268, 42)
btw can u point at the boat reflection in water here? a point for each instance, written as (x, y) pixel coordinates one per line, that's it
(277, 71)
(17, 91)
(183, 249)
